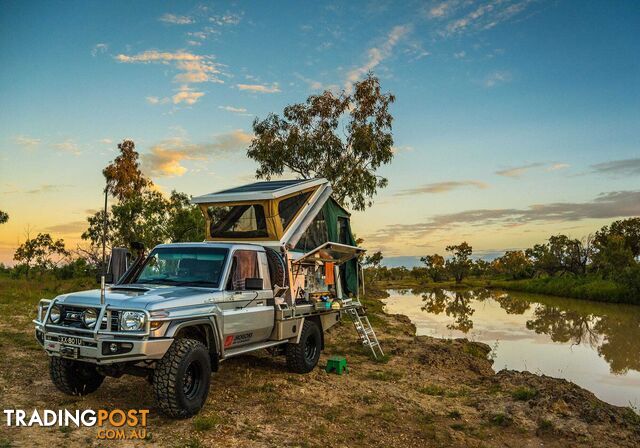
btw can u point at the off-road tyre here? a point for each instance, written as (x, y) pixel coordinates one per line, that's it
(303, 356)
(277, 267)
(74, 377)
(181, 378)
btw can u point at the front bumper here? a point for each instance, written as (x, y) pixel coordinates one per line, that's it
(95, 345)
(97, 351)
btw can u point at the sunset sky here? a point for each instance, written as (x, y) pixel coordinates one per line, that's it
(514, 120)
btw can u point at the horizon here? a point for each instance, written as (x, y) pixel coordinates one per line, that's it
(511, 123)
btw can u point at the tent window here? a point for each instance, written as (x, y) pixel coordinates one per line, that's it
(238, 221)
(244, 265)
(315, 235)
(343, 231)
(289, 208)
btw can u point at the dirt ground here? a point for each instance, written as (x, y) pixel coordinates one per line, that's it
(426, 392)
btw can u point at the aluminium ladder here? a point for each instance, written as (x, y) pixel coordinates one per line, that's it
(364, 329)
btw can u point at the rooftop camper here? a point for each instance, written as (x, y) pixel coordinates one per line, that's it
(278, 268)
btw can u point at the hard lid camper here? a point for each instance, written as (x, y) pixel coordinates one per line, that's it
(298, 218)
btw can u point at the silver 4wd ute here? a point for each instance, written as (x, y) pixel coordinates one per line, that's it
(175, 314)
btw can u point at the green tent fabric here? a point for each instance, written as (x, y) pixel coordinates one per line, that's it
(333, 215)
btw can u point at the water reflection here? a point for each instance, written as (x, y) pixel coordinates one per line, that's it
(611, 330)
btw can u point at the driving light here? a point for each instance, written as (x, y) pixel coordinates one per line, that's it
(132, 321)
(55, 314)
(89, 317)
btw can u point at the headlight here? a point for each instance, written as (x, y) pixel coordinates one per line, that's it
(132, 321)
(55, 314)
(89, 317)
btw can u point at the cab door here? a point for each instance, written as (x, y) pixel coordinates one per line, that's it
(248, 315)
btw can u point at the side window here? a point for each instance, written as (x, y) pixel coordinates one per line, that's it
(315, 235)
(343, 230)
(264, 270)
(288, 208)
(244, 265)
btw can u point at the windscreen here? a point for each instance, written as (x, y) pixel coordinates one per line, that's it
(238, 221)
(184, 266)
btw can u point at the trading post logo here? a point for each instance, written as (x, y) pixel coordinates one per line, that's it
(114, 424)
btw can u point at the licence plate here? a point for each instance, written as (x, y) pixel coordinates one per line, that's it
(69, 340)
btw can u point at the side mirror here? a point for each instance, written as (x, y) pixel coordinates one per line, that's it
(253, 284)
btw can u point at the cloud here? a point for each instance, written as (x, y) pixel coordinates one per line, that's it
(45, 188)
(235, 110)
(518, 171)
(260, 88)
(69, 146)
(312, 84)
(164, 159)
(626, 167)
(466, 16)
(68, 228)
(176, 20)
(376, 55)
(226, 19)
(194, 68)
(105, 141)
(558, 166)
(186, 95)
(26, 142)
(442, 187)
(497, 77)
(99, 49)
(157, 100)
(609, 205)
(441, 9)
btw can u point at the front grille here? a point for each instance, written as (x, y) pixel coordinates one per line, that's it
(115, 320)
(72, 319)
(72, 316)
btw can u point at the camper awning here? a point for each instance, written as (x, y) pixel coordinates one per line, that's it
(330, 253)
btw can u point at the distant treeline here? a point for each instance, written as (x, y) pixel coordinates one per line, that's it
(601, 266)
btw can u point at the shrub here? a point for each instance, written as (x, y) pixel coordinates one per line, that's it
(524, 393)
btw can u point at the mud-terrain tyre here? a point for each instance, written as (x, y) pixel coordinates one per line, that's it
(303, 356)
(74, 377)
(277, 267)
(181, 378)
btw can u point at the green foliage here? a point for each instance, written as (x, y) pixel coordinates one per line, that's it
(524, 393)
(40, 253)
(627, 229)
(344, 138)
(613, 255)
(435, 267)
(4, 217)
(206, 422)
(432, 389)
(141, 212)
(515, 264)
(373, 260)
(500, 419)
(585, 287)
(560, 254)
(460, 263)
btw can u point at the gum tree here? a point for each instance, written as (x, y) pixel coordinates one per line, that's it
(342, 137)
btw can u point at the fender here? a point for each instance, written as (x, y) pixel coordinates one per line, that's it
(209, 322)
